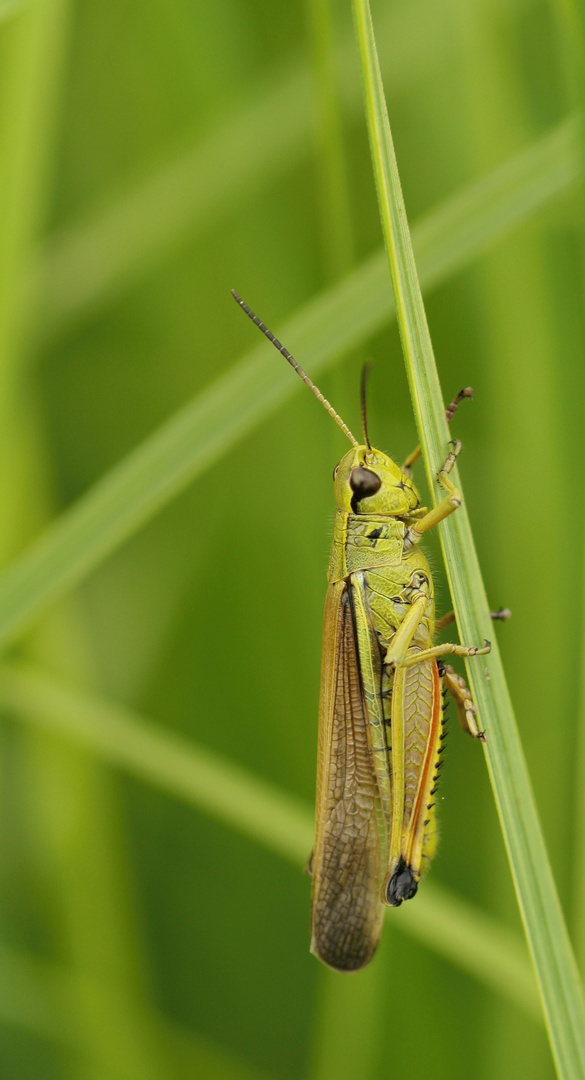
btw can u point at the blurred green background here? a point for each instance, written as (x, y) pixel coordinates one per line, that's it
(151, 158)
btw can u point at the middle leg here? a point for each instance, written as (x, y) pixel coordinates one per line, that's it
(500, 615)
(448, 649)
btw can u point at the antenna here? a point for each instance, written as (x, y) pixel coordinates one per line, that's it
(315, 389)
(365, 373)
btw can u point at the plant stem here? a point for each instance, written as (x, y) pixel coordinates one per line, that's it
(535, 888)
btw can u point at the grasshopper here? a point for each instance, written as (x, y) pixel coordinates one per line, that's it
(381, 700)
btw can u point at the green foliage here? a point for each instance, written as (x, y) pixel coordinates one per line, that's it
(166, 560)
(547, 935)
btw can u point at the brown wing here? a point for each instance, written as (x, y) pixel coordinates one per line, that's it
(346, 895)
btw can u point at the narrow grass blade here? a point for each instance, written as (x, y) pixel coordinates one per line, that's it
(40, 997)
(334, 197)
(337, 321)
(578, 897)
(256, 809)
(570, 17)
(212, 784)
(91, 261)
(32, 50)
(10, 7)
(88, 922)
(535, 888)
(451, 928)
(135, 229)
(350, 1016)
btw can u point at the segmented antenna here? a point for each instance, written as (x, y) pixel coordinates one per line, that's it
(365, 373)
(315, 389)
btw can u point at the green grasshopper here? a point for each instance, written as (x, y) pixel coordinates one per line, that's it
(381, 703)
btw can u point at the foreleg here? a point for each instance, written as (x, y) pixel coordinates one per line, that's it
(450, 411)
(447, 505)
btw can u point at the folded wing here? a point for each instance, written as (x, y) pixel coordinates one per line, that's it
(346, 898)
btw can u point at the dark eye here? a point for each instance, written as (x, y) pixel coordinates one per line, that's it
(363, 482)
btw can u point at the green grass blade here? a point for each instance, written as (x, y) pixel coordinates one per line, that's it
(279, 821)
(570, 16)
(334, 197)
(41, 997)
(79, 919)
(88, 262)
(535, 888)
(579, 826)
(10, 7)
(338, 320)
(32, 48)
(453, 929)
(350, 1015)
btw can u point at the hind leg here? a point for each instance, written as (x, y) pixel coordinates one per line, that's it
(461, 695)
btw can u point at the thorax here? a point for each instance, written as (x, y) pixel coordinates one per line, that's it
(372, 546)
(362, 542)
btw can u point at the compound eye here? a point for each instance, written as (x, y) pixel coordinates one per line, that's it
(364, 482)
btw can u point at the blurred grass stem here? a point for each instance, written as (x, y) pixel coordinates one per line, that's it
(539, 905)
(338, 320)
(258, 810)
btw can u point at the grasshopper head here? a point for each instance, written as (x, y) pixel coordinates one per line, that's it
(366, 480)
(369, 482)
